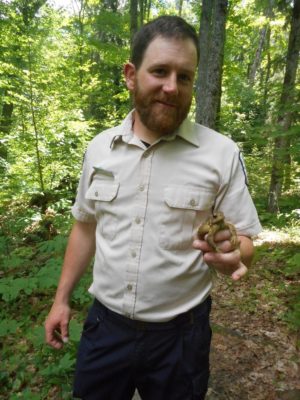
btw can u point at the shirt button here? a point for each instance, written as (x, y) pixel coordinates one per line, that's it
(147, 154)
(192, 202)
(133, 254)
(137, 220)
(142, 188)
(96, 194)
(129, 287)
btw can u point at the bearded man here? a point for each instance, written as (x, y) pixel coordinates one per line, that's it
(145, 187)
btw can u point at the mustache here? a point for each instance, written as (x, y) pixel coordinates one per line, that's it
(171, 101)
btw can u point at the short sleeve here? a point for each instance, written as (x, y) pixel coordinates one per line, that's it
(235, 200)
(84, 209)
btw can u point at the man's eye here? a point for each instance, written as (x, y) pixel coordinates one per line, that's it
(184, 78)
(159, 72)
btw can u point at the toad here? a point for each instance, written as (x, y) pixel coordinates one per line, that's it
(214, 224)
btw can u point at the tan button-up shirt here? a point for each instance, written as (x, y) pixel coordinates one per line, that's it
(148, 203)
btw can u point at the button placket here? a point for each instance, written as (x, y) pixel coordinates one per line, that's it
(137, 228)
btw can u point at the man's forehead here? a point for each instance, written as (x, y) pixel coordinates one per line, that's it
(162, 50)
(165, 41)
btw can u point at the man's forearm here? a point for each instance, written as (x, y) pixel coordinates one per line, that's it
(79, 252)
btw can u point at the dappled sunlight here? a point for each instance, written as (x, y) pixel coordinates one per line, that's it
(277, 236)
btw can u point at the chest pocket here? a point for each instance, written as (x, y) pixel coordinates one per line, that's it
(184, 209)
(104, 194)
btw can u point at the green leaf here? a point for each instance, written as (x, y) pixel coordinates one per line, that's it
(48, 276)
(56, 245)
(37, 336)
(8, 326)
(75, 330)
(66, 363)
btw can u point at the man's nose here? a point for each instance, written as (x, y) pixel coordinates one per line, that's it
(171, 85)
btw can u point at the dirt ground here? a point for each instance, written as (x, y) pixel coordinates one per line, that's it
(254, 356)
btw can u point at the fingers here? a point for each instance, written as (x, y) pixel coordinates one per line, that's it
(201, 245)
(57, 327)
(223, 246)
(227, 262)
(65, 331)
(53, 337)
(230, 259)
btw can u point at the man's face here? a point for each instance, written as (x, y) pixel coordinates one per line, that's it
(162, 87)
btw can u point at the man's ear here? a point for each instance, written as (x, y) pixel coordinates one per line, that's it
(130, 74)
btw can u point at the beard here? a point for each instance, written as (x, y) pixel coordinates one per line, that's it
(158, 117)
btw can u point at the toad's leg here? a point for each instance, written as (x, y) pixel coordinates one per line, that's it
(233, 239)
(210, 238)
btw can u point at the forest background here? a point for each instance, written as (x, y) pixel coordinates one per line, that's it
(61, 83)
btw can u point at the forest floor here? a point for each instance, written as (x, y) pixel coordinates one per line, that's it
(254, 355)
(255, 346)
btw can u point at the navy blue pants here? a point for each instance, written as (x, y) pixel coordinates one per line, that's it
(163, 361)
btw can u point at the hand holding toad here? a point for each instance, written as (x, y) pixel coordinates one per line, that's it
(220, 244)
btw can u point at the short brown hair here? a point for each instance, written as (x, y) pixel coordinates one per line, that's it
(167, 26)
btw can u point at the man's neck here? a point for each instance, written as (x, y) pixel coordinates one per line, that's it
(142, 132)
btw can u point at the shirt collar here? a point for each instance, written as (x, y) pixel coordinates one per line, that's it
(187, 131)
(124, 132)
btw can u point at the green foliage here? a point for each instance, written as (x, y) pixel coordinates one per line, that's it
(10, 288)
(281, 280)
(60, 84)
(292, 271)
(8, 327)
(293, 265)
(30, 277)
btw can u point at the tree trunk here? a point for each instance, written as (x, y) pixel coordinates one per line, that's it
(142, 11)
(80, 44)
(6, 115)
(281, 148)
(5, 124)
(133, 18)
(257, 59)
(79, 8)
(265, 81)
(263, 36)
(180, 4)
(149, 4)
(212, 41)
(34, 123)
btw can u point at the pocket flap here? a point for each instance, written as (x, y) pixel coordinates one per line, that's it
(189, 198)
(103, 191)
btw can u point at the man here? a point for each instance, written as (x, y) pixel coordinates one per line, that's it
(146, 186)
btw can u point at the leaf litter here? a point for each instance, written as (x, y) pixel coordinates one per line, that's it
(255, 356)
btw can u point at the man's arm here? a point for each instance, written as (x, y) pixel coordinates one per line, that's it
(234, 262)
(79, 252)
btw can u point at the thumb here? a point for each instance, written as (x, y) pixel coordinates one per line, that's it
(65, 331)
(239, 272)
